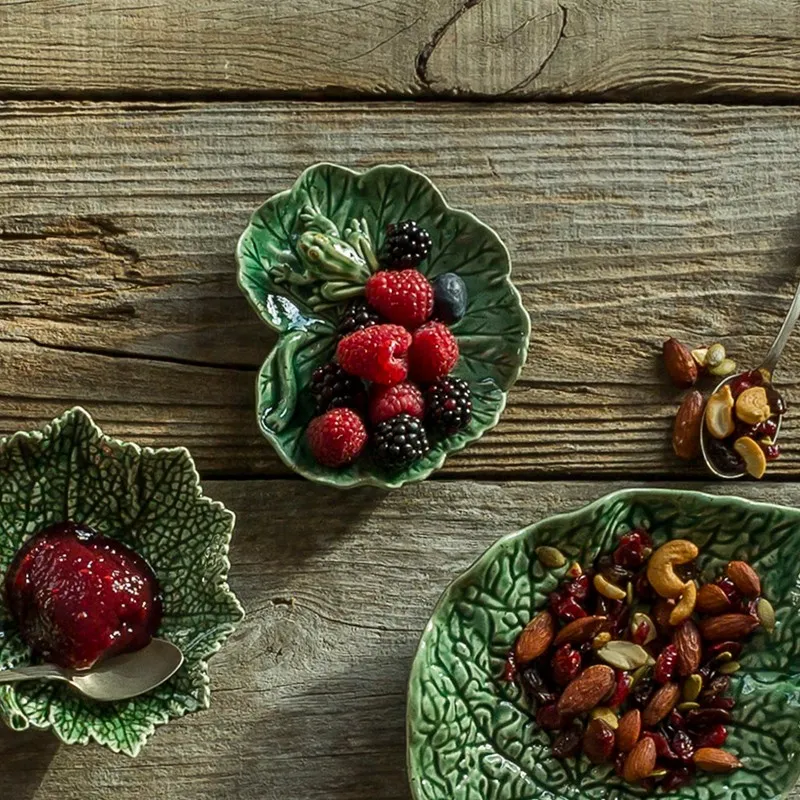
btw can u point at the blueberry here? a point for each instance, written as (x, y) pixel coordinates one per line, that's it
(449, 298)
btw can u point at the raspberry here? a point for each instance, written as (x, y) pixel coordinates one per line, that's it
(405, 298)
(386, 402)
(357, 317)
(399, 441)
(434, 352)
(337, 437)
(378, 353)
(407, 245)
(332, 387)
(449, 405)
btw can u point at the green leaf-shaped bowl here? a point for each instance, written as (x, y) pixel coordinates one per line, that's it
(471, 735)
(493, 336)
(150, 500)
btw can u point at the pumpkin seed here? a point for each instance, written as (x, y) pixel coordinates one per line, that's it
(640, 673)
(551, 557)
(601, 640)
(692, 687)
(723, 658)
(607, 715)
(623, 655)
(715, 355)
(687, 706)
(766, 615)
(729, 668)
(723, 369)
(608, 589)
(642, 619)
(629, 593)
(657, 773)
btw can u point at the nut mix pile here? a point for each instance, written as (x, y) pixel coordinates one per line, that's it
(390, 384)
(631, 662)
(741, 418)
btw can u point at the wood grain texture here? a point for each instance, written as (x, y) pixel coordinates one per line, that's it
(626, 225)
(663, 50)
(308, 697)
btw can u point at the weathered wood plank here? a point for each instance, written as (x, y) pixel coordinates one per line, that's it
(662, 50)
(309, 696)
(626, 225)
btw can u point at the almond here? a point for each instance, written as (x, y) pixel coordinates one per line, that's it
(712, 759)
(580, 630)
(640, 761)
(688, 423)
(744, 578)
(680, 365)
(727, 627)
(661, 703)
(660, 568)
(536, 638)
(689, 646)
(711, 599)
(587, 690)
(685, 607)
(628, 730)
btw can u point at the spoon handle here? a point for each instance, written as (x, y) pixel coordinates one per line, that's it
(771, 359)
(38, 672)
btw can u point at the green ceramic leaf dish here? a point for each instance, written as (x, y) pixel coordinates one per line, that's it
(151, 500)
(470, 734)
(493, 336)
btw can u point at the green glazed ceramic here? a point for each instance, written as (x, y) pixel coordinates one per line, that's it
(151, 500)
(303, 302)
(471, 735)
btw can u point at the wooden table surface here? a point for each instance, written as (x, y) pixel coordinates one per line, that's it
(640, 159)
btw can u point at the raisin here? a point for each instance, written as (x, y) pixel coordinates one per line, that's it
(676, 778)
(699, 719)
(676, 720)
(567, 743)
(683, 747)
(725, 703)
(550, 718)
(734, 648)
(663, 750)
(642, 692)
(715, 687)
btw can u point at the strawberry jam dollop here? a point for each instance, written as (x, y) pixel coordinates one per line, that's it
(79, 597)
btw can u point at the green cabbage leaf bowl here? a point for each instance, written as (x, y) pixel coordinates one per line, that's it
(151, 501)
(471, 735)
(492, 337)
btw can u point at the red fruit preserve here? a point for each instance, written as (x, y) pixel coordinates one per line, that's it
(79, 597)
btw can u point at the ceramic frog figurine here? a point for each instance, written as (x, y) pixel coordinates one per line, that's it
(340, 263)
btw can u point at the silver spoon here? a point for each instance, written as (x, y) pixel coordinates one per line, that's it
(767, 368)
(119, 678)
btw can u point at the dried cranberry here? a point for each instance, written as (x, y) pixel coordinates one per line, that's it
(725, 703)
(642, 588)
(665, 664)
(567, 743)
(639, 632)
(734, 648)
(676, 778)
(699, 719)
(550, 718)
(631, 550)
(683, 747)
(676, 720)
(616, 575)
(767, 428)
(579, 588)
(717, 686)
(510, 668)
(727, 586)
(569, 610)
(663, 750)
(621, 690)
(566, 664)
(771, 451)
(619, 764)
(745, 381)
(749, 607)
(713, 737)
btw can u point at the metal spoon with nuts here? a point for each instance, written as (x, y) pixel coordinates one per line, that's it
(767, 369)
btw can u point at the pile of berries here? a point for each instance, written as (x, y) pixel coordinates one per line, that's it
(390, 385)
(632, 661)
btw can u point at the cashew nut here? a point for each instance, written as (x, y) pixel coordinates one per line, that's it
(660, 568)
(752, 405)
(685, 607)
(719, 413)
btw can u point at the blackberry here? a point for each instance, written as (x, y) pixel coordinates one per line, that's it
(407, 245)
(332, 387)
(359, 315)
(448, 404)
(449, 298)
(399, 441)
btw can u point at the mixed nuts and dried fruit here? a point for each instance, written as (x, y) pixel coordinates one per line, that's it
(631, 663)
(741, 418)
(390, 385)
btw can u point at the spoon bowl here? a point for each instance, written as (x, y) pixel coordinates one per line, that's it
(119, 678)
